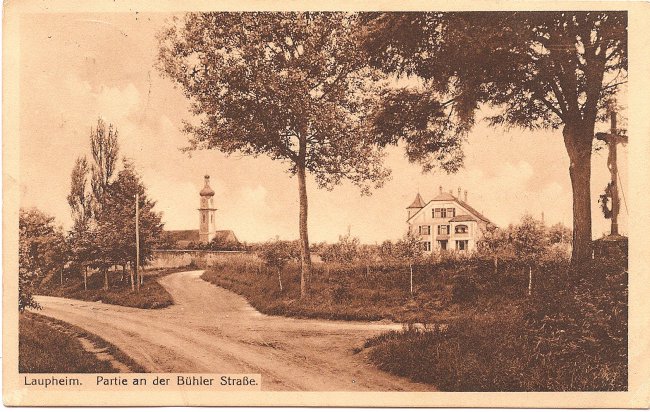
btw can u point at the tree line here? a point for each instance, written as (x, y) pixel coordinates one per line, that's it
(529, 242)
(102, 201)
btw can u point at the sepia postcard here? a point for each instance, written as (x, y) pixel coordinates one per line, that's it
(264, 203)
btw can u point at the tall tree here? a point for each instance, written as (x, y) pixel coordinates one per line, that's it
(116, 220)
(292, 86)
(80, 200)
(539, 69)
(104, 148)
(88, 182)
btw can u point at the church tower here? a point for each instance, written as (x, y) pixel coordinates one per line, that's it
(208, 225)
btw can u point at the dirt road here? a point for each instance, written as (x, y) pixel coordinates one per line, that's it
(210, 329)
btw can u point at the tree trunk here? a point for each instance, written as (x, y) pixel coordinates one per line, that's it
(132, 278)
(530, 280)
(280, 278)
(411, 269)
(85, 277)
(578, 142)
(105, 270)
(305, 257)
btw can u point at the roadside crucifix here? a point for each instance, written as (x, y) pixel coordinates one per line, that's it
(612, 139)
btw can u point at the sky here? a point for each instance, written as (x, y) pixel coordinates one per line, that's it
(76, 68)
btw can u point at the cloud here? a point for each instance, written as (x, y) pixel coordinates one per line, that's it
(254, 195)
(117, 103)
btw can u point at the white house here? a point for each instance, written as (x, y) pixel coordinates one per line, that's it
(446, 222)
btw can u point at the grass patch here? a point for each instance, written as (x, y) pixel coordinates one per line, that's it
(47, 345)
(151, 295)
(339, 293)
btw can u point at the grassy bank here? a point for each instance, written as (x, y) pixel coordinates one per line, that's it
(50, 346)
(341, 292)
(151, 295)
(570, 335)
(442, 290)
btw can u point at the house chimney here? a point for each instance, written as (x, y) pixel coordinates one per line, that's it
(440, 188)
(465, 196)
(459, 192)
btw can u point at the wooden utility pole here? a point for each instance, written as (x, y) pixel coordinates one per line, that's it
(613, 138)
(137, 240)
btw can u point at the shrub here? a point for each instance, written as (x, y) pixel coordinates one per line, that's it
(464, 289)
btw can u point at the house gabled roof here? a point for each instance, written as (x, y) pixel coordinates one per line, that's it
(473, 211)
(418, 203)
(450, 197)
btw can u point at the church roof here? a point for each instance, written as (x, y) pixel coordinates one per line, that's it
(183, 235)
(183, 238)
(225, 236)
(418, 203)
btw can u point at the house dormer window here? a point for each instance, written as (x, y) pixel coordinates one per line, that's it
(451, 212)
(443, 212)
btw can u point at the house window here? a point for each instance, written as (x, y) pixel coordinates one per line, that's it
(426, 246)
(461, 229)
(211, 218)
(462, 244)
(451, 212)
(442, 244)
(443, 229)
(443, 212)
(203, 218)
(436, 212)
(425, 230)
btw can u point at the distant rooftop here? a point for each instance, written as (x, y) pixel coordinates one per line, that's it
(418, 203)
